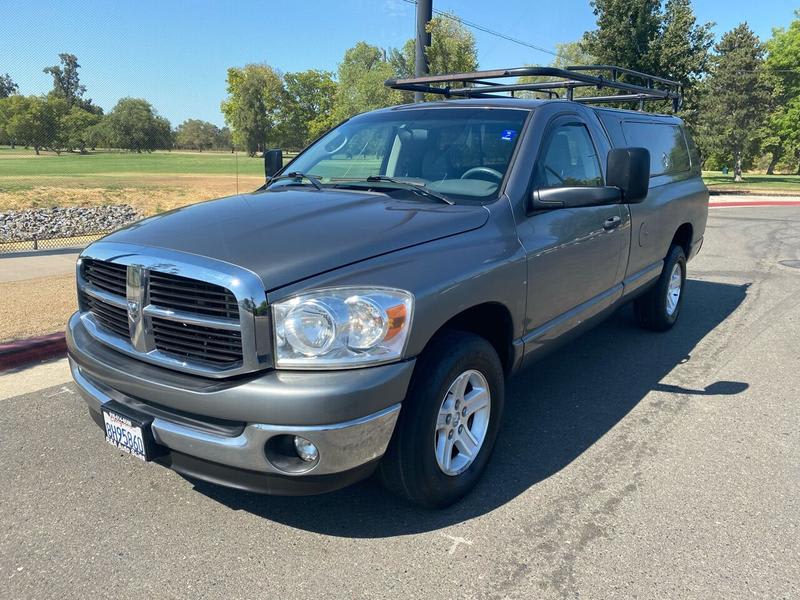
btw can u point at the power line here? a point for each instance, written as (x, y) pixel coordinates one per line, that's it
(466, 23)
(514, 40)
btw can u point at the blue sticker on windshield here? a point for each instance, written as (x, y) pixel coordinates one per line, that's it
(508, 135)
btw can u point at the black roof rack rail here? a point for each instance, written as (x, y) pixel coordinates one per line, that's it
(478, 85)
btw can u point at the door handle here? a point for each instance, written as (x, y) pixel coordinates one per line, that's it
(612, 223)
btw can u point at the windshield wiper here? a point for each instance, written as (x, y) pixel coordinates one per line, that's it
(414, 187)
(298, 176)
(420, 189)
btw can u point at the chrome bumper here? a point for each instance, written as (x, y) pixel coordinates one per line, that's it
(342, 446)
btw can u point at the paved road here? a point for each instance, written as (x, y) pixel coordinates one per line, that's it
(630, 465)
(786, 199)
(31, 265)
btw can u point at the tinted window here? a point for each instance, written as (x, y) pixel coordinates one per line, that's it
(694, 151)
(668, 151)
(569, 159)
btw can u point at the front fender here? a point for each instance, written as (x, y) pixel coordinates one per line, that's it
(446, 276)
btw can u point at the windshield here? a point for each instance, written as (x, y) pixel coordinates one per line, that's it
(456, 152)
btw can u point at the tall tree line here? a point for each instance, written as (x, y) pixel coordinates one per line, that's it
(267, 108)
(741, 95)
(64, 119)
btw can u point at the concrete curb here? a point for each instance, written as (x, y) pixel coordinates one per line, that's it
(22, 352)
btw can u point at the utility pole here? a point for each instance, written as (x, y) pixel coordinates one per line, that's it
(424, 15)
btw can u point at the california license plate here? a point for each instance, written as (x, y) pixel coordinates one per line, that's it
(127, 434)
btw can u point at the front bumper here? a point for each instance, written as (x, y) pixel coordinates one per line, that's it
(227, 446)
(695, 248)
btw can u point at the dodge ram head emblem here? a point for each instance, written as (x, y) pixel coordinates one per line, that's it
(134, 310)
(135, 291)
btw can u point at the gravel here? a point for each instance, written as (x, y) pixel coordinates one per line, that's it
(44, 223)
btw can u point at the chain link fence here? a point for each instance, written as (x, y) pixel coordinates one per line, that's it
(39, 243)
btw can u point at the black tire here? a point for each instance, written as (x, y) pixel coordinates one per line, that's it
(651, 307)
(410, 468)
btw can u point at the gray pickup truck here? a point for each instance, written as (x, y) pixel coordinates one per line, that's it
(363, 309)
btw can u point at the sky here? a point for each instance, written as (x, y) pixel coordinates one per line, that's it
(175, 53)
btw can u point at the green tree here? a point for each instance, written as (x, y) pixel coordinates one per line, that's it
(7, 109)
(76, 126)
(736, 98)
(134, 125)
(452, 49)
(67, 84)
(7, 86)
(194, 134)
(44, 122)
(782, 134)
(572, 53)
(567, 54)
(681, 52)
(361, 77)
(253, 107)
(625, 34)
(223, 139)
(96, 136)
(785, 121)
(67, 81)
(33, 121)
(663, 40)
(308, 107)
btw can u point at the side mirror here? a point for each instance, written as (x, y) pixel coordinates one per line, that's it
(273, 162)
(629, 170)
(573, 197)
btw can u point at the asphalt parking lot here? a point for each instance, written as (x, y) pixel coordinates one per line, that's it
(630, 465)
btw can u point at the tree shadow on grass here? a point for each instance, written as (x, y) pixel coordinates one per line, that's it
(555, 411)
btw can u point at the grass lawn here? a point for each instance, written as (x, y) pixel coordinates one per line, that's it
(150, 182)
(753, 182)
(24, 163)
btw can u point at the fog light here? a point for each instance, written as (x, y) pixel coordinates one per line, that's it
(305, 449)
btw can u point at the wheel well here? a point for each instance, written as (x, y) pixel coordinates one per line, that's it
(491, 321)
(683, 238)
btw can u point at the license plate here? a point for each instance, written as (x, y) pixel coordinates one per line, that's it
(127, 434)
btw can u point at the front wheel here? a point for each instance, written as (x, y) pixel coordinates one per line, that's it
(659, 307)
(449, 421)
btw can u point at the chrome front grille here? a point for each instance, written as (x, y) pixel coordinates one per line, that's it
(182, 293)
(113, 318)
(106, 276)
(175, 310)
(197, 343)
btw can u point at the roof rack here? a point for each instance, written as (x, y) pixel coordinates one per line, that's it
(477, 84)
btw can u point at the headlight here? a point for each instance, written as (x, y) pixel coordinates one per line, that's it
(341, 328)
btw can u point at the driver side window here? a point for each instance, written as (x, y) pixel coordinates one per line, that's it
(569, 159)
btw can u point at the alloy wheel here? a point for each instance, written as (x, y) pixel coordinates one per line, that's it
(462, 422)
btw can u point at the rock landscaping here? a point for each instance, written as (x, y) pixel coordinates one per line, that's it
(47, 223)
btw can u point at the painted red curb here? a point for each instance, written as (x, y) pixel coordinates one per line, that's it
(755, 203)
(22, 352)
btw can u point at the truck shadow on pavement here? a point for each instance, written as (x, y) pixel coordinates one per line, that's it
(554, 412)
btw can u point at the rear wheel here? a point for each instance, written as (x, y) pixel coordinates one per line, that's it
(658, 309)
(449, 421)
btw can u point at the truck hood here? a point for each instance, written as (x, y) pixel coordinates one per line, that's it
(289, 235)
